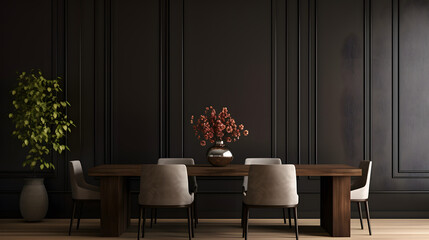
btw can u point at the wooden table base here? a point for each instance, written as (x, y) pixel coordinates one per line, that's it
(335, 205)
(115, 216)
(334, 201)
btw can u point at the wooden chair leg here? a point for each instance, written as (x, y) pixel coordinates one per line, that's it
(296, 222)
(139, 225)
(246, 223)
(290, 219)
(367, 216)
(189, 223)
(144, 220)
(360, 214)
(80, 214)
(284, 215)
(72, 216)
(156, 215)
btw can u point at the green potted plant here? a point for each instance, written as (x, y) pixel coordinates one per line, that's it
(40, 125)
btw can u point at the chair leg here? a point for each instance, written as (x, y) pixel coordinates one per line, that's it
(192, 218)
(360, 214)
(189, 223)
(72, 216)
(284, 215)
(194, 214)
(156, 215)
(242, 216)
(296, 222)
(246, 223)
(367, 216)
(139, 226)
(195, 210)
(80, 215)
(144, 220)
(290, 219)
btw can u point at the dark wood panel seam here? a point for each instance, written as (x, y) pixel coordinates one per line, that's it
(286, 85)
(299, 81)
(183, 78)
(273, 80)
(395, 97)
(367, 80)
(163, 77)
(312, 83)
(54, 65)
(108, 81)
(309, 62)
(65, 14)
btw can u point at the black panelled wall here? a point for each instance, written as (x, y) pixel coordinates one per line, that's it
(315, 81)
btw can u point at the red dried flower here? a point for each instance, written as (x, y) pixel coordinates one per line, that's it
(246, 132)
(213, 126)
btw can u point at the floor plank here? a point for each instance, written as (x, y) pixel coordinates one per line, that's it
(267, 229)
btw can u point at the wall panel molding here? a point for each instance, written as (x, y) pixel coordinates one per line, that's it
(55, 68)
(397, 82)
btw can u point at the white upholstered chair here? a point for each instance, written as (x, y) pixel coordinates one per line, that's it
(164, 186)
(271, 186)
(193, 186)
(81, 190)
(264, 161)
(360, 191)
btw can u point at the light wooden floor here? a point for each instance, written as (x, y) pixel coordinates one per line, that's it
(269, 229)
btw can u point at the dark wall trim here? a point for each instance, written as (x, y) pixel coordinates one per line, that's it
(367, 80)
(273, 78)
(397, 172)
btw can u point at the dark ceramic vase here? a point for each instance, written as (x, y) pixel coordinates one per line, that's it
(33, 201)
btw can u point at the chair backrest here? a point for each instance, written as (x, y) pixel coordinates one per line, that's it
(193, 186)
(272, 185)
(185, 161)
(363, 181)
(164, 185)
(76, 177)
(259, 161)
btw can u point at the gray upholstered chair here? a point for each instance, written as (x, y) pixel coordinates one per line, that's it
(271, 186)
(360, 191)
(165, 186)
(81, 190)
(263, 161)
(193, 186)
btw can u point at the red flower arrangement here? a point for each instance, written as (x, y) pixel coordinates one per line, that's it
(211, 127)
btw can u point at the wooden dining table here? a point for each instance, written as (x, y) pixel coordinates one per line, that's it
(334, 192)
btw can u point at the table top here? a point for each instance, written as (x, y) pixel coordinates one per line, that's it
(206, 170)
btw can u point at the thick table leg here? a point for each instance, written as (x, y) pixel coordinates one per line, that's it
(114, 206)
(335, 205)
